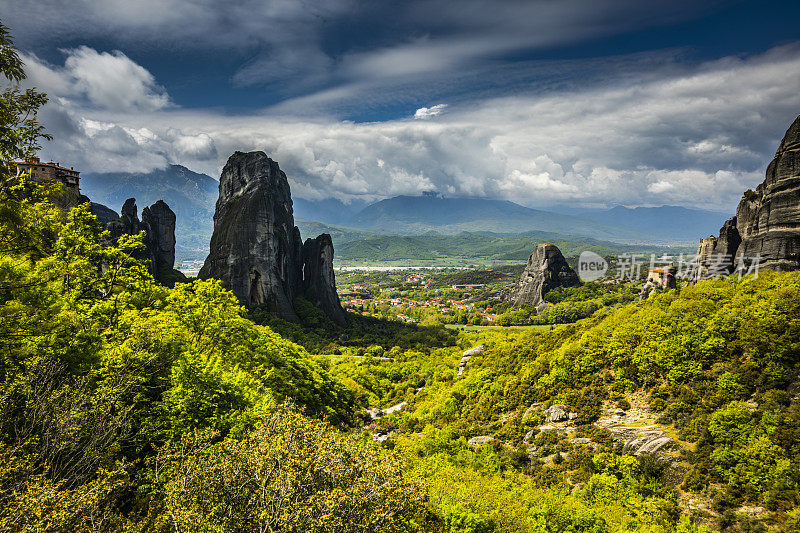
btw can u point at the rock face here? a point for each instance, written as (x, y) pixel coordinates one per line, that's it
(319, 283)
(715, 256)
(256, 249)
(158, 223)
(546, 270)
(767, 221)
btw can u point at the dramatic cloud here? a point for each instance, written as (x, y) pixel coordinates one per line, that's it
(107, 80)
(300, 46)
(691, 135)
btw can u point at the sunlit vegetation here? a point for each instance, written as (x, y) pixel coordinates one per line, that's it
(129, 406)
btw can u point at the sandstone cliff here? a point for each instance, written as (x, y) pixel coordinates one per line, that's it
(546, 270)
(256, 249)
(767, 221)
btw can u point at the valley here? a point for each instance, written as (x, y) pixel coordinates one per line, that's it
(371, 336)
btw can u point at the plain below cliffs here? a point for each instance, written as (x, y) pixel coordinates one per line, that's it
(256, 249)
(546, 270)
(767, 221)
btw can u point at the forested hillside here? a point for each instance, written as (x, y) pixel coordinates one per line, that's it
(129, 406)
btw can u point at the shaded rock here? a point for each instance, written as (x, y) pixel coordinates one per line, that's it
(256, 249)
(546, 270)
(319, 281)
(102, 213)
(467, 355)
(477, 442)
(158, 223)
(767, 221)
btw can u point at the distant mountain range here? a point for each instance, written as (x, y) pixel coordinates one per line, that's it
(190, 195)
(665, 222)
(193, 195)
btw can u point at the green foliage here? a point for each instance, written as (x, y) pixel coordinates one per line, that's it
(288, 474)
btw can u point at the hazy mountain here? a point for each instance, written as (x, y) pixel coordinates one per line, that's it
(664, 222)
(329, 211)
(193, 195)
(189, 194)
(418, 214)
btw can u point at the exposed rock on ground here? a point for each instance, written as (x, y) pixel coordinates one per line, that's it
(256, 249)
(477, 442)
(546, 270)
(558, 413)
(767, 221)
(467, 355)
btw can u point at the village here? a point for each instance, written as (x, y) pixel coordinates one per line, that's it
(420, 298)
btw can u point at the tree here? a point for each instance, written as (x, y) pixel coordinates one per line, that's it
(290, 474)
(19, 129)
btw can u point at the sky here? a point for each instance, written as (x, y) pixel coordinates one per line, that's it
(542, 102)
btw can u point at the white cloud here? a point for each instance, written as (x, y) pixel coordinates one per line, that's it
(660, 187)
(113, 81)
(685, 135)
(428, 112)
(100, 79)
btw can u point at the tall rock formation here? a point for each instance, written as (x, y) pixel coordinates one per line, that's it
(256, 249)
(158, 223)
(546, 270)
(767, 221)
(319, 284)
(716, 255)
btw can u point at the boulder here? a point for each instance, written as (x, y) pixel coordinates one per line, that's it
(467, 355)
(640, 441)
(556, 413)
(546, 270)
(477, 442)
